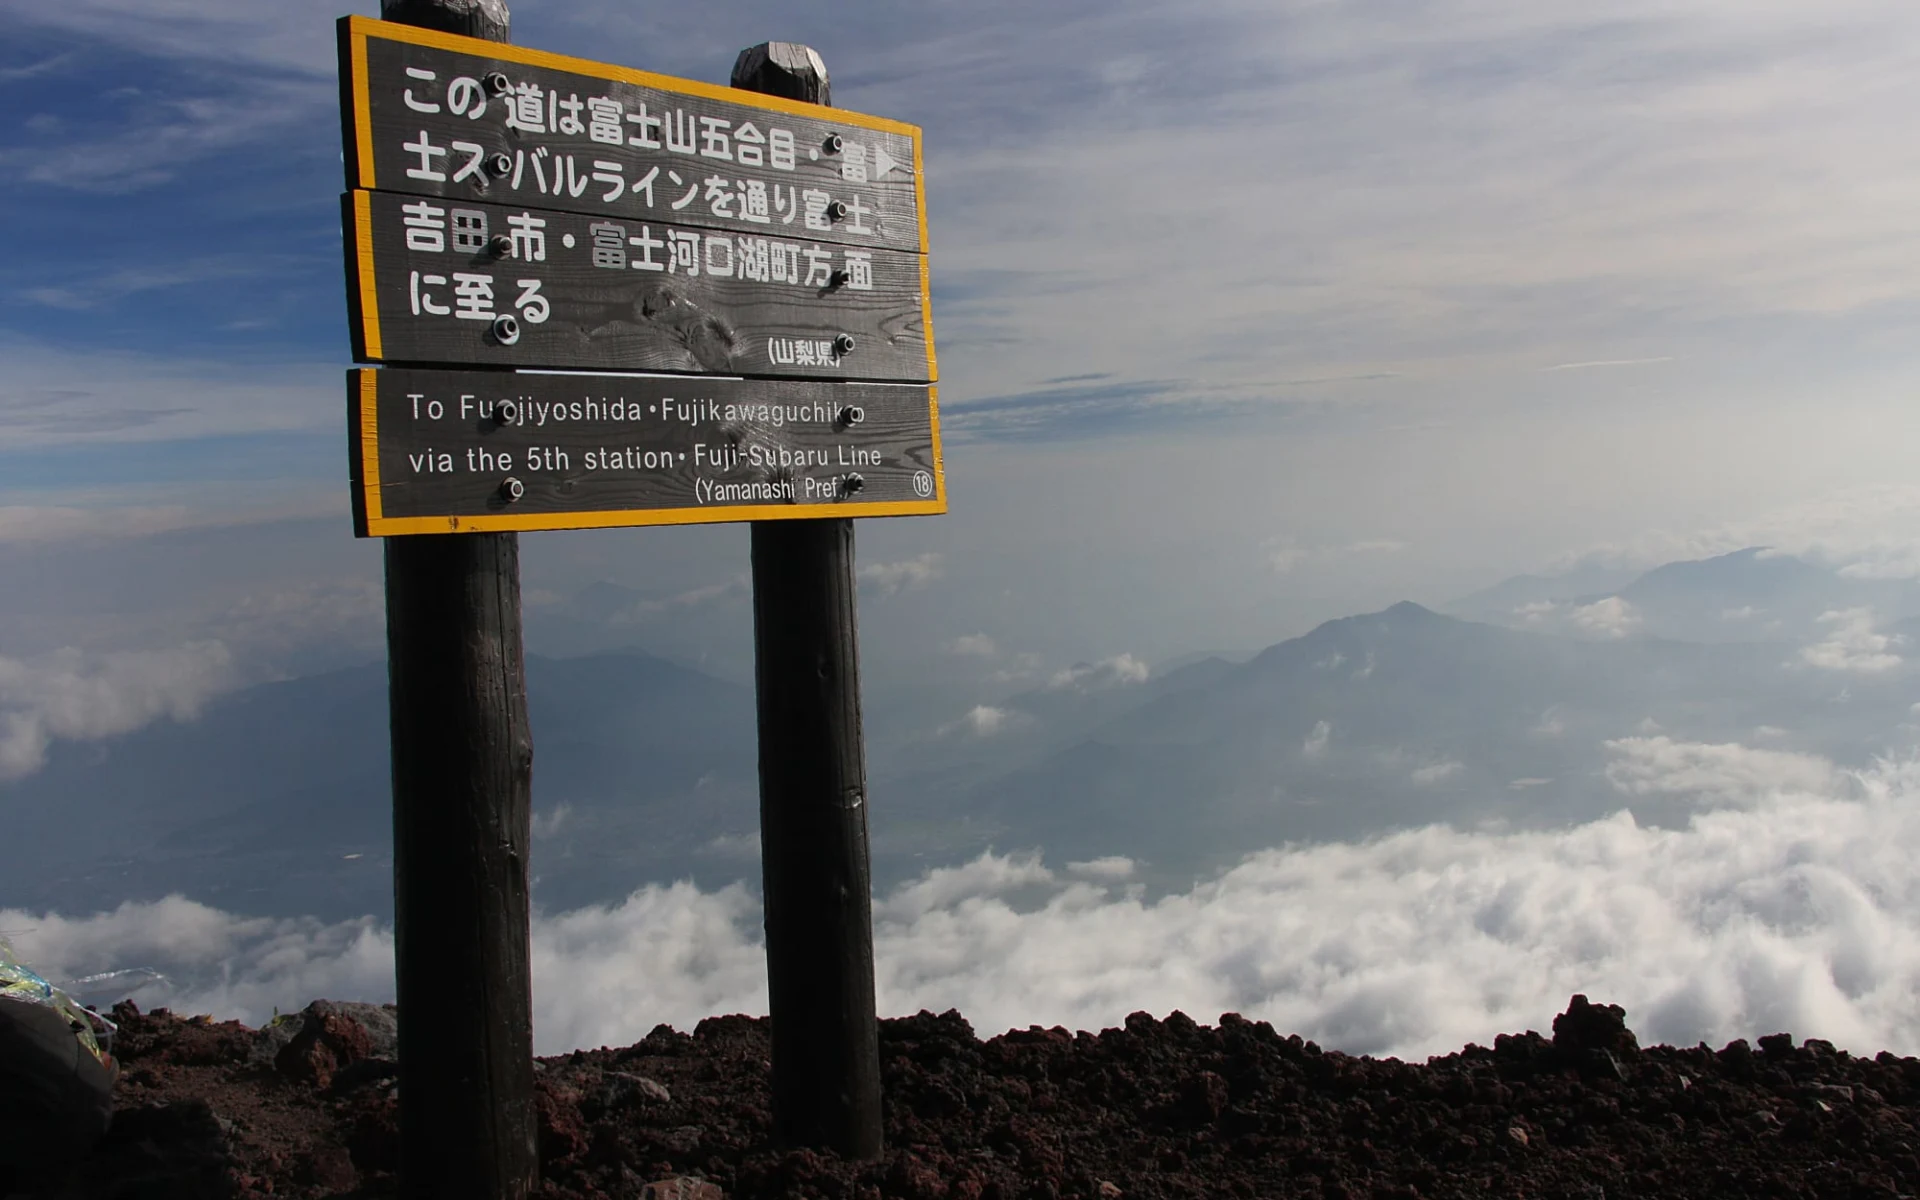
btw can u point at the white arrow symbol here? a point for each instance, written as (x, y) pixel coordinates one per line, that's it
(882, 162)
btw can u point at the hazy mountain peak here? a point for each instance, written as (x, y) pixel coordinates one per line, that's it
(1407, 610)
(1746, 571)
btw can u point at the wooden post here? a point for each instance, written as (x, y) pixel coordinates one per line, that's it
(813, 786)
(462, 808)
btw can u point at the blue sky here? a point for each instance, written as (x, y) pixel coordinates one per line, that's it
(1251, 314)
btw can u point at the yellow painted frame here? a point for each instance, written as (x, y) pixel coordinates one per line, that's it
(376, 524)
(372, 520)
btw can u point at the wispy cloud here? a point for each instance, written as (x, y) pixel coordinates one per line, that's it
(1437, 772)
(35, 70)
(50, 396)
(85, 291)
(1609, 362)
(1065, 303)
(646, 609)
(238, 34)
(1286, 553)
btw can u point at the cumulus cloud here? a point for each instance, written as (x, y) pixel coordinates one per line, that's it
(1112, 868)
(1725, 774)
(982, 720)
(893, 577)
(1611, 617)
(1118, 671)
(73, 696)
(1795, 909)
(1852, 645)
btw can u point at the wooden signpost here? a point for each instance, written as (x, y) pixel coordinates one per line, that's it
(763, 259)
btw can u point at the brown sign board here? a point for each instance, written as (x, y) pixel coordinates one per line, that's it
(438, 451)
(470, 283)
(436, 114)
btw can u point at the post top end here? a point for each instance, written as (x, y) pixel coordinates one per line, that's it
(786, 69)
(488, 19)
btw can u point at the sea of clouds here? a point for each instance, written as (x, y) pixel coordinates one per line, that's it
(1788, 903)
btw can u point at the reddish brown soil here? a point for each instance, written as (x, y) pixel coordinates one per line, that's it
(1156, 1109)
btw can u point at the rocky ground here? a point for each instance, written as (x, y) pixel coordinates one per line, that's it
(1166, 1108)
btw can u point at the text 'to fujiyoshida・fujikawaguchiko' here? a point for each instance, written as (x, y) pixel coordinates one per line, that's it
(443, 451)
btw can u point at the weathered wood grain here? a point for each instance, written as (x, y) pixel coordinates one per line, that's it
(815, 868)
(462, 750)
(595, 294)
(706, 142)
(487, 20)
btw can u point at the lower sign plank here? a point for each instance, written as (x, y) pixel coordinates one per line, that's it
(479, 451)
(438, 281)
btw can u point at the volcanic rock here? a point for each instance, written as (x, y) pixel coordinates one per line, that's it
(1152, 1110)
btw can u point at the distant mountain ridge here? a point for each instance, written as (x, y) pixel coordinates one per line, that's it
(276, 801)
(1401, 717)
(1753, 594)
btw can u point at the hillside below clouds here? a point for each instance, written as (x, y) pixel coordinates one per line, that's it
(275, 802)
(1408, 717)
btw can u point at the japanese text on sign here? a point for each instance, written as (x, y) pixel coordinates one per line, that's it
(586, 136)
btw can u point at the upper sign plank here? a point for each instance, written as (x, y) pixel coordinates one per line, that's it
(436, 114)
